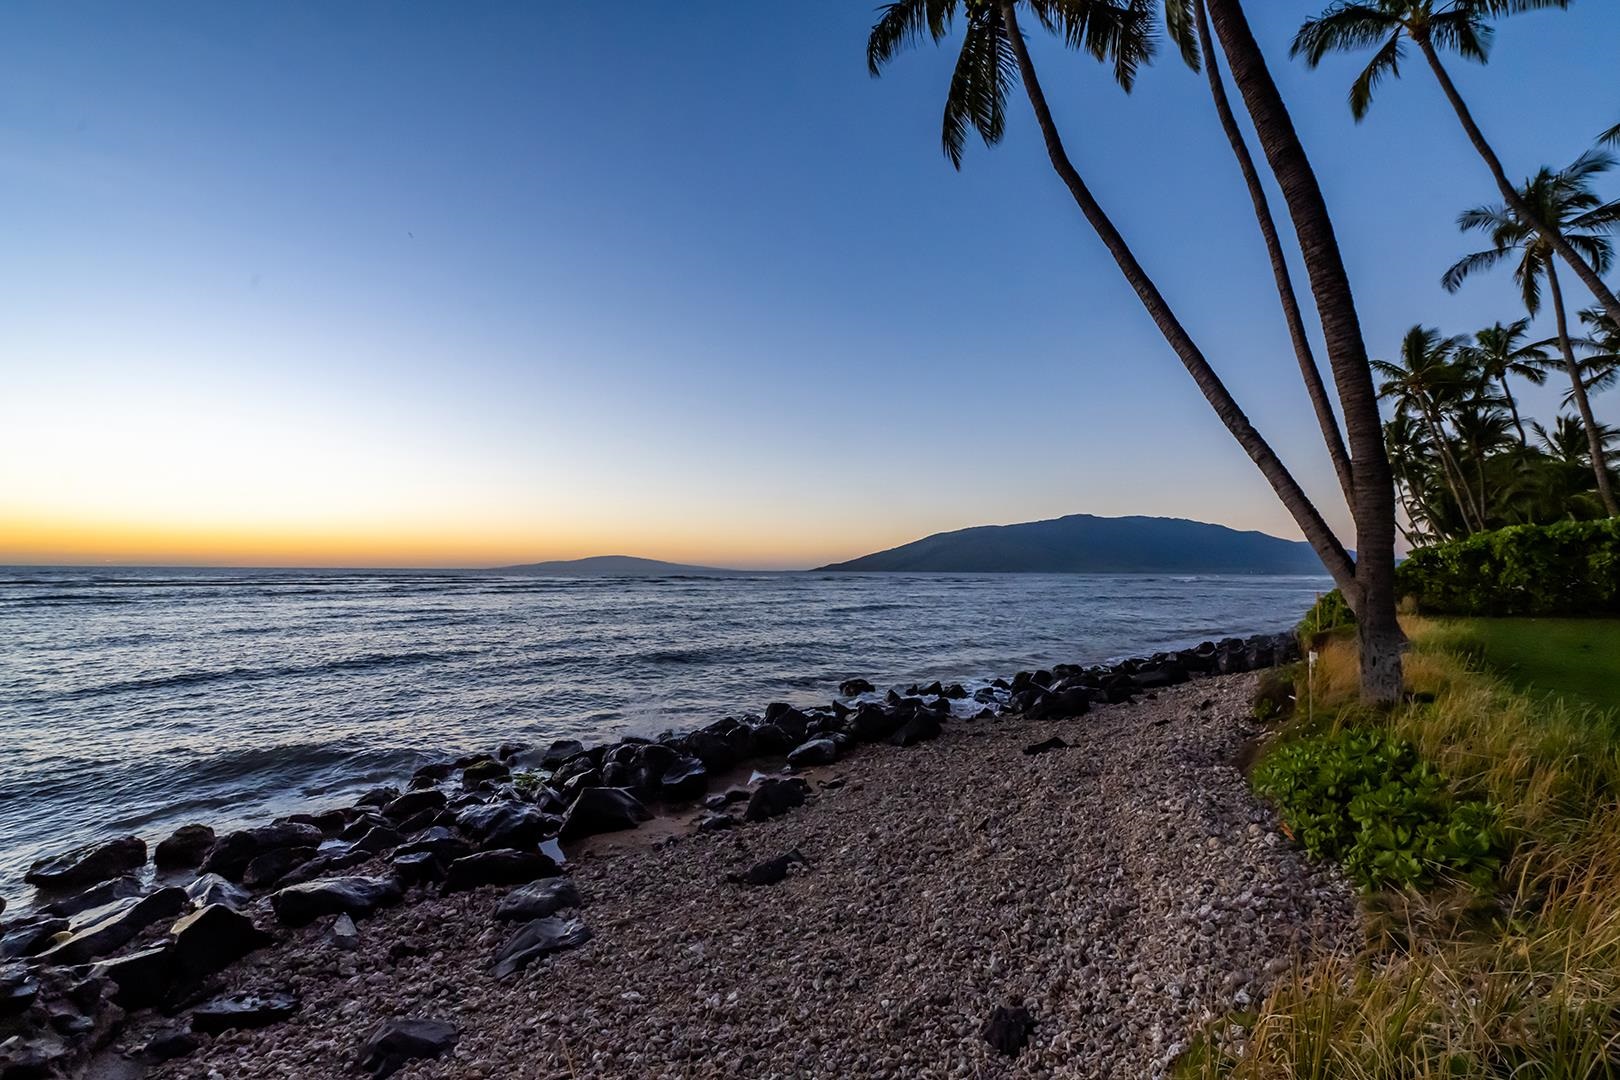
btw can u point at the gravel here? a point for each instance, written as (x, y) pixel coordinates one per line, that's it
(1125, 890)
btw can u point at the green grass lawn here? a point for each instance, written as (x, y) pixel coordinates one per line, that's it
(1576, 658)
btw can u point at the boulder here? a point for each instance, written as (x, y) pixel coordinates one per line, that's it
(345, 935)
(488, 769)
(299, 905)
(505, 825)
(439, 842)
(1008, 1029)
(814, 752)
(211, 939)
(713, 822)
(243, 1010)
(792, 723)
(361, 824)
(118, 888)
(18, 989)
(538, 900)
(855, 687)
(417, 868)
(873, 723)
(185, 848)
(26, 937)
(230, 856)
(1054, 743)
(167, 1044)
(390, 1045)
(333, 862)
(498, 867)
(1060, 704)
(769, 872)
(920, 728)
(142, 979)
(414, 802)
(536, 939)
(561, 751)
(103, 930)
(773, 798)
(378, 797)
(602, 810)
(88, 864)
(267, 869)
(684, 780)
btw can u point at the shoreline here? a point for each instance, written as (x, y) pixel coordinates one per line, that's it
(499, 806)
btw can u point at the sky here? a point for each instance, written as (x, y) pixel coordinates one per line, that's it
(425, 284)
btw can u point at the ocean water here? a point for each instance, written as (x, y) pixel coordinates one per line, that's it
(135, 700)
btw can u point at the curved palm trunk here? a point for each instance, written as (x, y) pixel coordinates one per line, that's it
(1373, 601)
(1513, 407)
(1552, 236)
(1298, 504)
(1449, 467)
(1279, 265)
(1582, 402)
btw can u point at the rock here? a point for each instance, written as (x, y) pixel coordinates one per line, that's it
(601, 810)
(873, 723)
(417, 868)
(536, 939)
(167, 1044)
(231, 854)
(28, 936)
(269, 868)
(477, 773)
(27, 1056)
(210, 940)
(1054, 743)
(379, 797)
(390, 1046)
(560, 751)
(18, 989)
(327, 865)
(439, 842)
(773, 798)
(345, 935)
(715, 822)
(88, 864)
(378, 840)
(920, 728)
(185, 848)
(1009, 1029)
(361, 824)
(538, 900)
(684, 780)
(103, 930)
(718, 802)
(769, 872)
(414, 802)
(243, 1010)
(814, 752)
(118, 888)
(299, 905)
(505, 825)
(142, 978)
(855, 687)
(498, 867)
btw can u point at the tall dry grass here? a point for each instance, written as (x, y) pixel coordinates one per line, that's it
(1522, 984)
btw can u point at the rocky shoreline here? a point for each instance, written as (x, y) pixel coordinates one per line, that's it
(993, 890)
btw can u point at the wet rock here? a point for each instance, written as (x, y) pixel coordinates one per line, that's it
(560, 751)
(142, 979)
(498, 867)
(773, 798)
(118, 888)
(920, 728)
(418, 868)
(18, 988)
(1054, 743)
(167, 1044)
(230, 856)
(103, 930)
(414, 802)
(769, 872)
(210, 940)
(272, 866)
(390, 1046)
(243, 1010)
(505, 825)
(378, 797)
(334, 862)
(1008, 1029)
(299, 905)
(684, 780)
(538, 900)
(1059, 704)
(185, 848)
(787, 719)
(361, 824)
(35, 1054)
(536, 939)
(27, 937)
(718, 802)
(489, 769)
(873, 723)
(602, 810)
(378, 840)
(88, 864)
(854, 687)
(814, 752)
(439, 842)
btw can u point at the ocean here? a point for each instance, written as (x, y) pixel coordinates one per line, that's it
(136, 700)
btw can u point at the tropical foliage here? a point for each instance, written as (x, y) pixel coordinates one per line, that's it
(1572, 568)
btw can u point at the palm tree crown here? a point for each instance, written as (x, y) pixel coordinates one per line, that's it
(1460, 26)
(1118, 32)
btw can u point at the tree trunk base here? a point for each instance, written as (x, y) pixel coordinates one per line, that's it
(1381, 651)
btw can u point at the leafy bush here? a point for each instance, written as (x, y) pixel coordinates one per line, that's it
(1368, 801)
(1330, 612)
(1571, 568)
(1274, 692)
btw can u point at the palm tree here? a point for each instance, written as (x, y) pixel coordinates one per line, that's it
(1425, 381)
(1571, 443)
(1564, 198)
(1373, 600)
(1610, 137)
(1499, 351)
(993, 58)
(1463, 27)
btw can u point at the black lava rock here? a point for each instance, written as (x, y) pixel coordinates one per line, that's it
(535, 940)
(388, 1047)
(498, 867)
(299, 905)
(1009, 1029)
(185, 848)
(602, 810)
(88, 864)
(769, 872)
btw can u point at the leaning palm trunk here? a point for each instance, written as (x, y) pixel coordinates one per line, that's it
(1513, 408)
(1373, 595)
(1279, 264)
(1321, 538)
(1510, 194)
(1449, 469)
(1594, 437)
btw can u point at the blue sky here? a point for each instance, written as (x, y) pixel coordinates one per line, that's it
(455, 284)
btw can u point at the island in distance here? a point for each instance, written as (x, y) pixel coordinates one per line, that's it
(1077, 544)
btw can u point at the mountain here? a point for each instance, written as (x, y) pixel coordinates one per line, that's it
(615, 566)
(1084, 544)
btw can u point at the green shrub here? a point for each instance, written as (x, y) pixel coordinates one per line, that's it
(1329, 613)
(1367, 800)
(1274, 693)
(1571, 568)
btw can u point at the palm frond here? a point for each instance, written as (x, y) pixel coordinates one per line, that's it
(1181, 25)
(1386, 62)
(1121, 31)
(1462, 31)
(1610, 137)
(905, 23)
(1468, 265)
(977, 100)
(1344, 27)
